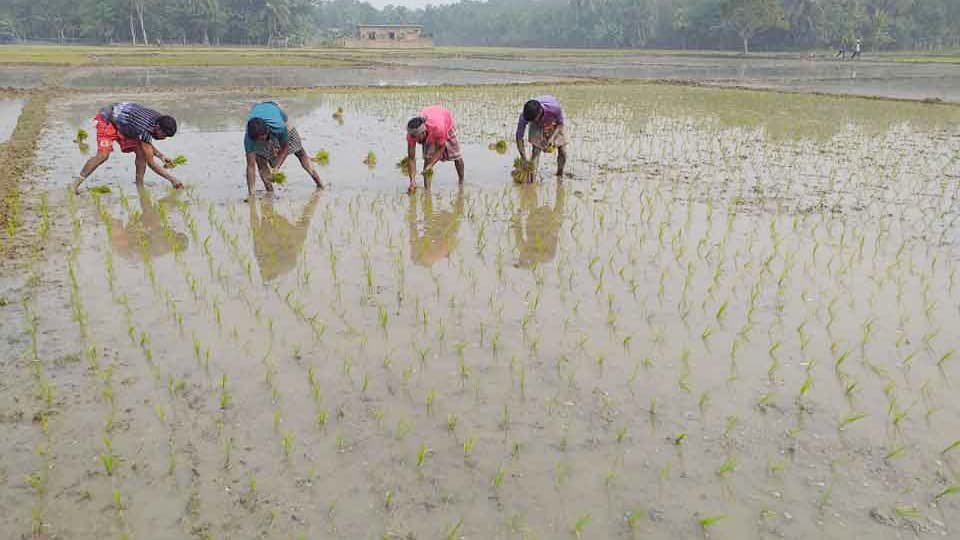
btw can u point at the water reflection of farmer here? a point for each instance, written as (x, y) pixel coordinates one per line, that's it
(438, 236)
(538, 235)
(276, 241)
(143, 234)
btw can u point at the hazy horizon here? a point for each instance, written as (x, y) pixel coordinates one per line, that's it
(412, 4)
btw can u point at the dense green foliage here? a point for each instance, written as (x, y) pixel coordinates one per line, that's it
(765, 24)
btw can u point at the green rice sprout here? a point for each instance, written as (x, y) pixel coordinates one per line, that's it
(907, 511)
(176, 162)
(431, 396)
(581, 524)
(421, 454)
(81, 136)
(500, 146)
(371, 159)
(709, 521)
(109, 462)
(728, 467)
(946, 356)
(468, 445)
(633, 517)
(949, 490)
(101, 190)
(403, 427)
(721, 312)
(806, 386)
(895, 453)
(847, 421)
(322, 157)
(279, 177)
(454, 532)
(498, 477)
(451, 422)
(954, 446)
(287, 443)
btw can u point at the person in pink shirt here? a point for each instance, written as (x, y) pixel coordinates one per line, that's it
(434, 129)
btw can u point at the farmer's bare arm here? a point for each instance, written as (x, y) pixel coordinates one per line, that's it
(251, 172)
(434, 159)
(412, 163)
(148, 154)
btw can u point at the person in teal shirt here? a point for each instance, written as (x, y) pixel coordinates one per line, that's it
(267, 142)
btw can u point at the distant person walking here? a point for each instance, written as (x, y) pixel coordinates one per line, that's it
(842, 51)
(434, 129)
(268, 140)
(544, 116)
(134, 128)
(857, 49)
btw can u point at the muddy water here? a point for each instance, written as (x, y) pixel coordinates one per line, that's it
(712, 319)
(867, 78)
(23, 77)
(214, 77)
(9, 114)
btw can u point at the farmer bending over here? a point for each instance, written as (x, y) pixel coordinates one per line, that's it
(268, 141)
(545, 118)
(434, 129)
(134, 127)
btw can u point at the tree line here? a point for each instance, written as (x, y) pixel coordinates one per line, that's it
(673, 24)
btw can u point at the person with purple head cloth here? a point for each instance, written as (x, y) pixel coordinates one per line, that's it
(544, 117)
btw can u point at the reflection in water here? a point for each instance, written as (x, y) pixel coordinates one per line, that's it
(277, 242)
(144, 234)
(537, 236)
(439, 231)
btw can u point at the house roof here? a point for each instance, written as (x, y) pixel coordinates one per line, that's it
(389, 26)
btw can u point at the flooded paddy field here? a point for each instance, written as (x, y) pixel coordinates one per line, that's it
(23, 77)
(734, 319)
(873, 77)
(172, 78)
(169, 69)
(9, 113)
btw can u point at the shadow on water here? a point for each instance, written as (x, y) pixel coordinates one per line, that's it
(143, 234)
(433, 238)
(536, 227)
(277, 243)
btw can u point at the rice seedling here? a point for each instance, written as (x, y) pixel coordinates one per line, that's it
(371, 159)
(287, 444)
(179, 160)
(708, 522)
(421, 454)
(850, 419)
(468, 445)
(453, 533)
(500, 146)
(728, 467)
(952, 447)
(81, 136)
(949, 490)
(322, 157)
(581, 524)
(279, 177)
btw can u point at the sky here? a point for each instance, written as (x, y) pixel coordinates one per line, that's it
(408, 3)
